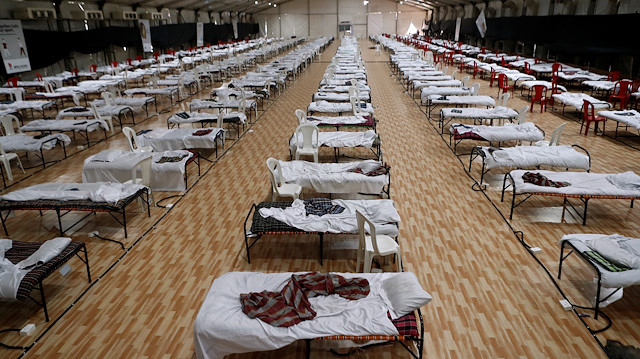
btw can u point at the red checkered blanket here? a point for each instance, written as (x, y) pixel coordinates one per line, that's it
(291, 305)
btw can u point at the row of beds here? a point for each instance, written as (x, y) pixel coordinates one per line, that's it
(582, 186)
(112, 196)
(215, 338)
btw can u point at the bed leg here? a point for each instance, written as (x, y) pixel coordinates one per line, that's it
(308, 341)
(597, 308)
(584, 216)
(86, 261)
(59, 222)
(44, 303)
(561, 259)
(124, 220)
(632, 203)
(321, 246)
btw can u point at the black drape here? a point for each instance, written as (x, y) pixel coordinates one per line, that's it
(596, 34)
(48, 47)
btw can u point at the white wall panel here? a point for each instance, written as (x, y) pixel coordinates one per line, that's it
(352, 10)
(323, 7)
(273, 26)
(295, 25)
(389, 23)
(294, 7)
(360, 31)
(374, 22)
(405, 19)
(381, 6)
(261, 21)
(323, 25)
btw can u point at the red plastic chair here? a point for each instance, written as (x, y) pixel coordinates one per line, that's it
(527, 69)
(476, 70)
(613, 76)
(114, 64)
(129, 61)
(38, 76)
(93, 68)
(536, 61)
(503, 84)
(589, 116)
(493, 76)
(504, 64)
(155, 55)
(556, 67)
(74, 71)
(13, 81)
(554, 90)
(540, 96)
(621, 92)
(138, 58)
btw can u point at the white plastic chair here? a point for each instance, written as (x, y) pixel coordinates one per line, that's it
(279, 188)
(374, 245)
(555, 137)
(97, 116)
(132, 139)
(302, 116)
(465, 81)
(355, 107)
(109, 98)
(48, 86)
(6, 158)
(475, 89)
(378, 50)
(522, 115)
(308, 135)
(503, 99)
(7, 125)
(144, 166)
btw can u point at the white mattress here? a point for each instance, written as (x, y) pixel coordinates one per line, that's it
(462, 100)
(628, 117)
(594, 184)
(97, 192)
(609, 279)
(530, 156)
(178, 139)
(339, 139)
(116, 166)
(21, 142)
(600, 84)
(199, 116)
(339, 97)
(443, 91)
(221, 328)
(509, 132)
(166, 91)
(576, 100)
(529, 84)
(329, 88)
(38, 105)
(479, 113)
(335, 107)
(444, 83)
(64, 125)
(334, 177)
(338, 120)
(380, 211)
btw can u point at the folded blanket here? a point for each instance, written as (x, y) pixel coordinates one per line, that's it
(380, 170)
(540, 180)
(291, 305)
(202, 132)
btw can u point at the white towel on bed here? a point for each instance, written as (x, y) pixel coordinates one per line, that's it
(627, 180)
(46, 252)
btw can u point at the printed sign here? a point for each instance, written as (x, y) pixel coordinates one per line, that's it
(481, 23)
(200, 34)
(14, 49)
(145, 35)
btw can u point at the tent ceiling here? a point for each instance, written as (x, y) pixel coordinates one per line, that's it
(250, 6)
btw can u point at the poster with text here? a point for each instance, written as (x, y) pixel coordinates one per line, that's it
(14, 49)
(145, 35)
(457, 34)
(200, 34)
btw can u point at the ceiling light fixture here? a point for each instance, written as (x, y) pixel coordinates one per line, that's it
(274, 5)
(365, 2)
(269, 4)
(401, 2)
(256, 2)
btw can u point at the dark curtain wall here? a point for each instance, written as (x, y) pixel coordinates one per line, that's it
(48, 47)
(571, 35)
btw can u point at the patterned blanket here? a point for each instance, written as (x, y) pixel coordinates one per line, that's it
(291, 305)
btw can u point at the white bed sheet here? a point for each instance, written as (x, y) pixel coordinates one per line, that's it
(200, 116)
(335, 107)
(22, 142)
(97, 192)
(338, 120)
(339, 139)
(339, 97)
(530, 156)
(576, 100)
(443, 91)
(509, 132)
(178, 139)
(64, 125)
(595, 184)
(221, 328)
(480, 113)
(462, 100)
(630, 118)
(334, 177)
(116, 166)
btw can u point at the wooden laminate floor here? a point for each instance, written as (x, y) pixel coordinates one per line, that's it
(491, 298)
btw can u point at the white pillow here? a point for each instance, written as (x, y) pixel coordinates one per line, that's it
(404, 294)
(369, 165)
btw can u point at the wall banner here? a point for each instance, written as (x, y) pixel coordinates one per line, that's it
(14, 50)
(200, 34)
(145, 35)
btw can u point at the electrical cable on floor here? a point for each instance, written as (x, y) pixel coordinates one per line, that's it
(3, 345)
(127, 250)
(520, 236)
